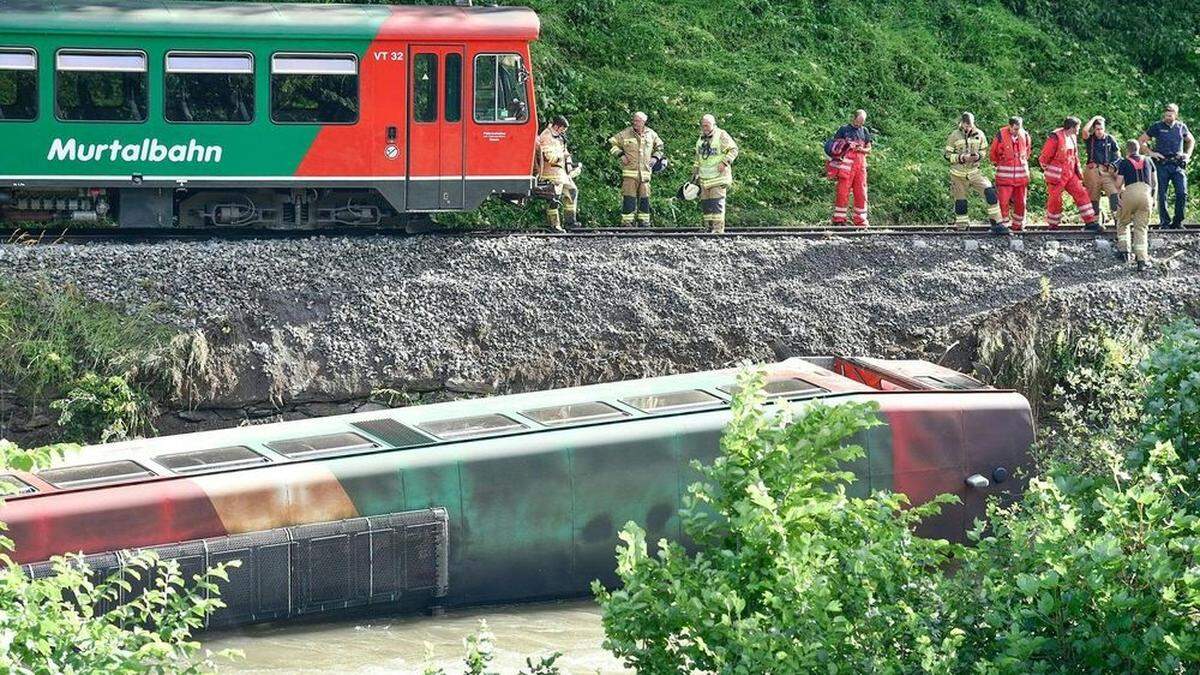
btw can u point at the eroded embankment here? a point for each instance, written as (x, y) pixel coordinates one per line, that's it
(315, 326)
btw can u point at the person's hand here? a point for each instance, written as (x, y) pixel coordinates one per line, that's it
(722, 167)
(1157, 155)
(974, 157)
(624, 160)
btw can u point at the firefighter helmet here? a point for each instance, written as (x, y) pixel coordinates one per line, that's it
(688, 192)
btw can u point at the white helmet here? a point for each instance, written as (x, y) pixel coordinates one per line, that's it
(688, 192)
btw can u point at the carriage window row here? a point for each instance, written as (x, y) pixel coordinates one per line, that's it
(200, 87)
(218, 87)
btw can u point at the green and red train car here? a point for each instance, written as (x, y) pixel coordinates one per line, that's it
(498, 499)
(208, 114)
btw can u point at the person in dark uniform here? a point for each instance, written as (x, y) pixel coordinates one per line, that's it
(1170, 145)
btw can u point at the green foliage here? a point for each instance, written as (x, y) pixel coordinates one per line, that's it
(51, 624)
(1168, 46)
(788, 568)
(1172, 403)
(782, 76)
(103, 408)
(1097, 386)
(101, 363)
(1086, 575)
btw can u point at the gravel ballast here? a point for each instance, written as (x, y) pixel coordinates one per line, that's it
(332, 319)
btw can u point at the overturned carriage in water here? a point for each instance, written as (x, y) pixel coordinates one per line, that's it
(501, 499)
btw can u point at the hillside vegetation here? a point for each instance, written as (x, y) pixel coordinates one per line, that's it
(782, 76)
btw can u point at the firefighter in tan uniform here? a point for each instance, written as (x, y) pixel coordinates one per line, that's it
(641, 153)
(965, 149)
(552, 165)
(1137, 181)
(715, 154)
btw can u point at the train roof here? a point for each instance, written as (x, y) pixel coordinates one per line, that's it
(440, 425)
(262, 19)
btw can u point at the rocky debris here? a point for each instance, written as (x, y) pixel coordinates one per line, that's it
(292, 325)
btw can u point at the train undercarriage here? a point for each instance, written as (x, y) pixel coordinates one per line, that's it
(147, 207)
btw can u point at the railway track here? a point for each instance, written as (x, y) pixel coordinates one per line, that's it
(74, 235)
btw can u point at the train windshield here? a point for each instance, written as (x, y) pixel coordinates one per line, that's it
(500, 91)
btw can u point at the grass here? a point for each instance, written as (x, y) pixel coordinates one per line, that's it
(781, 76)
(97, 366)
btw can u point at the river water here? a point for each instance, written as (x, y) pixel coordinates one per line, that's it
(409, 644)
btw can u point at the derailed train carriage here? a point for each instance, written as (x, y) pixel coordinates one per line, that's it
(501, 499)
(224, 114)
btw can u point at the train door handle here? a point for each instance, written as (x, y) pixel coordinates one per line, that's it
(391, 134)
(977, 481)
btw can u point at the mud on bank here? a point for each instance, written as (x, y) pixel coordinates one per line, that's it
(318, 326)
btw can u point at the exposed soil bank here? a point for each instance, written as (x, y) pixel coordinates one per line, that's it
(314, 326)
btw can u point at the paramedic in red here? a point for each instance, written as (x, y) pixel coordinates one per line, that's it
(1060, 165)
(1010, 154)
(852, 170)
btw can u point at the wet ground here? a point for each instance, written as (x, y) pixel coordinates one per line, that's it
(410, 644)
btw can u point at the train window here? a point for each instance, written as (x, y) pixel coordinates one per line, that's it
(18, 85)
(322, 445)
(500, 92)
(95, 474)
(781, 388)
(574, 413)
(460, 428)
(215, 87)
(11, 485)
(453, 88)
(314, 88)
(955, 382)
(676, 401)
(210, 459)
(101, 86)
(425, 87)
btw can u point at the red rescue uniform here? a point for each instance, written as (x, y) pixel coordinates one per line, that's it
(1060, 164)
(851, 173)
(1010, 154)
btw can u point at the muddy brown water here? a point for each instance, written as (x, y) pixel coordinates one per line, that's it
(410, 644)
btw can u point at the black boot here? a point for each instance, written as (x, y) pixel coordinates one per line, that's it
(1143, 265)
(1093, 226)
(1123, 256)
(999, 228)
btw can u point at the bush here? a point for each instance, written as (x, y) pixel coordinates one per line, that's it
(1172, 401)
(1086, 575)
(103, 408)
(51, 624)
(99, 364)
(788, 568)
(1095, 403)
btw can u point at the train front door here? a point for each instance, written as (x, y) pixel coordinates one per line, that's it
(435, 128)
